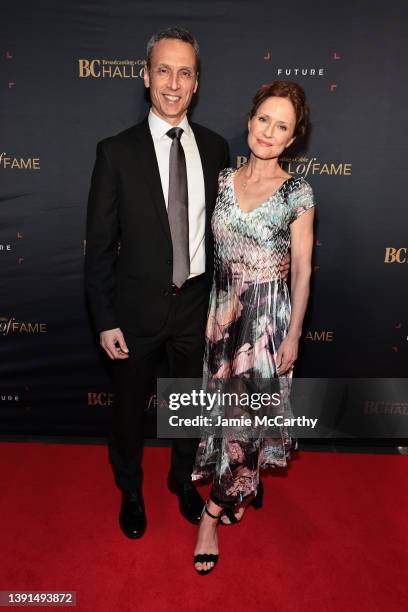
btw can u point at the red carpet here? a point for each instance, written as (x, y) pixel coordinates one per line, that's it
(332, 536)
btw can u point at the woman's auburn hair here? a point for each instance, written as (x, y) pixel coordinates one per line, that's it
(285, 89)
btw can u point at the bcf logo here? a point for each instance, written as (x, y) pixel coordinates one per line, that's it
(393, 255)
(101, 399)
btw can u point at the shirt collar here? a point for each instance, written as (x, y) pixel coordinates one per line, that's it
(159, 127)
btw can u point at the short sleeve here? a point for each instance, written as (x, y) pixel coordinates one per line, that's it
(222, 178)
(300, 200)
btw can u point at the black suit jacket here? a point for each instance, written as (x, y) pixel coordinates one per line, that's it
(130, 288)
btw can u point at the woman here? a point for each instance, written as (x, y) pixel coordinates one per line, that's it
(253, 328)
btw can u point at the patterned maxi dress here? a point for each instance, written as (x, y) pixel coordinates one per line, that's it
(248, 318)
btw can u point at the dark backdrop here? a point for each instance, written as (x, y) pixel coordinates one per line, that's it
(70, 76)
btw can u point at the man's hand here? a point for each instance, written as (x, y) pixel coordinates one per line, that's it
(109, 341)
(284, 267)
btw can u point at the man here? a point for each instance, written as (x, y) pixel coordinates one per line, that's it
(153, 189)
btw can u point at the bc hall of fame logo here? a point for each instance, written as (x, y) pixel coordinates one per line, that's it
(11, 162)
(107, 398)
(383, 407)
(308, 166)
(396, 255)
(10, 325)
(110, 68)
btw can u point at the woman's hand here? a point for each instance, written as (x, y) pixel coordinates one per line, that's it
(287, 354)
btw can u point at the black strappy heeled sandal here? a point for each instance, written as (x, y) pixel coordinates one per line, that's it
(207, 557)
(256, 503)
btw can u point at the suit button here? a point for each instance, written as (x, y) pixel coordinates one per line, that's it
(166, 293)
(169, 262)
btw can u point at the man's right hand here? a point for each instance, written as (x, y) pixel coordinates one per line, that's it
(109, 339)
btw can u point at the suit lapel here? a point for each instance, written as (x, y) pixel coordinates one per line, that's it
(148, 162)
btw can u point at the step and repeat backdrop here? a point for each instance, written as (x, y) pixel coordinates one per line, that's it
(71, 74)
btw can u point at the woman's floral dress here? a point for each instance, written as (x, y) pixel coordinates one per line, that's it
(248, 318)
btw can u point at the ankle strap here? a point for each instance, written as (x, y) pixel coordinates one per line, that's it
(213, 516)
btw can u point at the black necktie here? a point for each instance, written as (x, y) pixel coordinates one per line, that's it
(178, 208)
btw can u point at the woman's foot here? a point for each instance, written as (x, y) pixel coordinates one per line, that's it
(234, 514)
(236, 511)
(207, 542)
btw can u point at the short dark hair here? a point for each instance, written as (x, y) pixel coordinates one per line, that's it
(285, 89)
(175, 33)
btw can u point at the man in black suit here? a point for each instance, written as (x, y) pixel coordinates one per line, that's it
(153, 190)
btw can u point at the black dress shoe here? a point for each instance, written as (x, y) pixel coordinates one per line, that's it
(132, 517)
(191, 503)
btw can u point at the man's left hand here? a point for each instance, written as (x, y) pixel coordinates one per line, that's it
(284, 267)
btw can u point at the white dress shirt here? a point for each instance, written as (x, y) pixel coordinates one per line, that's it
(195, 183)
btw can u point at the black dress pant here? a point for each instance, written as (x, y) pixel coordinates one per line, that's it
(181, 340)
